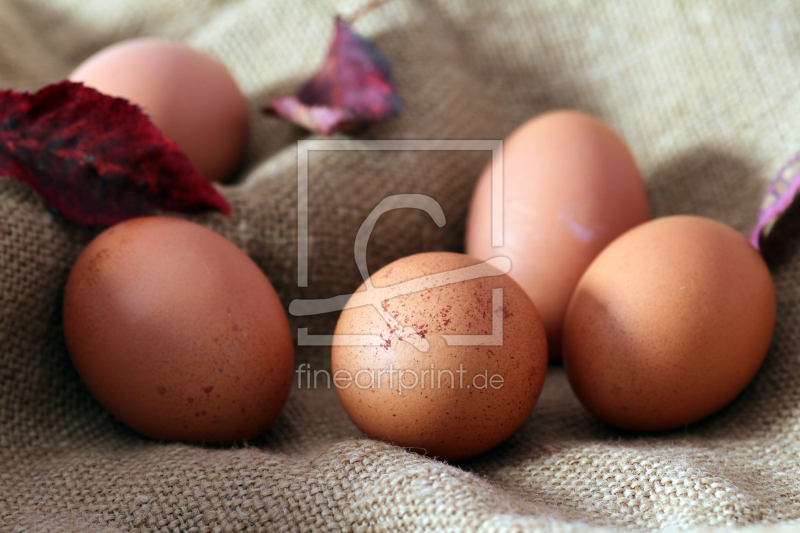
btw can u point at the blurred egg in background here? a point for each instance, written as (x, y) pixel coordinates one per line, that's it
(570, 186)
(190, 96)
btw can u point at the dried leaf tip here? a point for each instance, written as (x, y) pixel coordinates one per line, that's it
(779, 195)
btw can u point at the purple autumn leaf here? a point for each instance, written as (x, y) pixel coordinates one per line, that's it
(778, 197)
(353, 88)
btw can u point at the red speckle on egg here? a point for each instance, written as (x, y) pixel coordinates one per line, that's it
(436, 416)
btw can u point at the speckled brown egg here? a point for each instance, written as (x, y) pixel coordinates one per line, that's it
(190, 96)
(668, 324)
(177, 332)
(570, 187)
(454, 365)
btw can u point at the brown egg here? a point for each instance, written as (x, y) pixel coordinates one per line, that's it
(570, 187)
(189, 96)
(177, 332)
(668, 324)
(427, 392)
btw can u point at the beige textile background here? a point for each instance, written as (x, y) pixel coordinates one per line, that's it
(706, 93)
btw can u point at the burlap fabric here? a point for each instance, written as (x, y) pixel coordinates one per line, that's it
(707, 95)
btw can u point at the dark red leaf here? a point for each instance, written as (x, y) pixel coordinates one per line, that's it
(97, 159)
(353, 88)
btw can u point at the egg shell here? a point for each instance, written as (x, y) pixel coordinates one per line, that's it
(177, 332)
(447, 412)
(570, 187)
(190, 96)
(668, 324)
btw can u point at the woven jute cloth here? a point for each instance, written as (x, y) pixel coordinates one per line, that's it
(706, 93)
